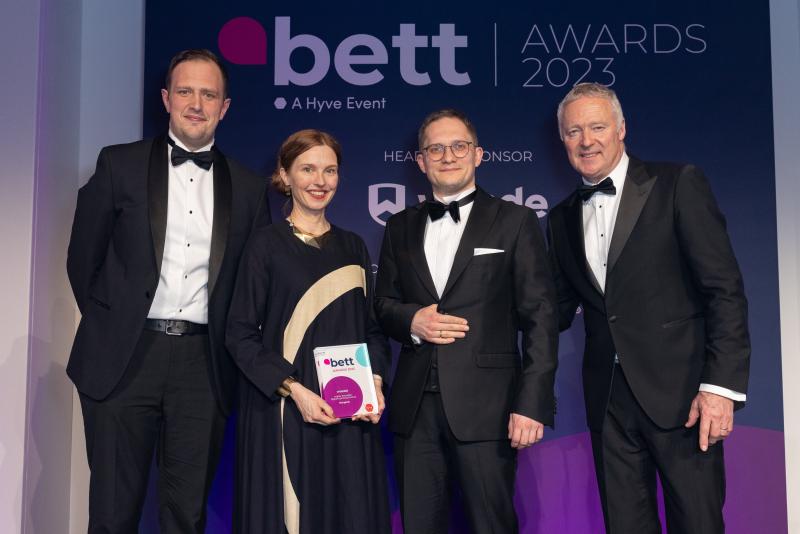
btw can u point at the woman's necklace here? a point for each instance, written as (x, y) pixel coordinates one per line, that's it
(305, 236)
(306, 232)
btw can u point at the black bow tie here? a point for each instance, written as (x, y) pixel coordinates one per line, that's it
(180, 156)
(606, 186)
(436, 209)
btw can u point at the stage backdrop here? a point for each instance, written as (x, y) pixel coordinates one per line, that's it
(694, 81)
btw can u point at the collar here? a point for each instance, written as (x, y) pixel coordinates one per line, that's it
(618, 174)
(450, 198)
(180, 144)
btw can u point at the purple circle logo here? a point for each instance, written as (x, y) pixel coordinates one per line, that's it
(344, 395)
(243, 41)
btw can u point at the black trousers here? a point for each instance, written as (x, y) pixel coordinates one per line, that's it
(430, 460)
(629, 452)
(163, 403)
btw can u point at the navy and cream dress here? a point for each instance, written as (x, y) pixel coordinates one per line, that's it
(294, 294)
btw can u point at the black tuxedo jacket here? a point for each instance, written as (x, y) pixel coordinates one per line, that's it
(483, 377)
(674, 308)
(115, 253)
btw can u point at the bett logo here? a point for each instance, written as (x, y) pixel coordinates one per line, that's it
(244, 41)
(339, 363)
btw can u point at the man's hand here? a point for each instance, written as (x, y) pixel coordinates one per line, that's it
(434, 327)
(374, 418)
(715, 413)
(524, 431)
(312, 407)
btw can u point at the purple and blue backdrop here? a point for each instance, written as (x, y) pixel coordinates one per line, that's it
(695, 84)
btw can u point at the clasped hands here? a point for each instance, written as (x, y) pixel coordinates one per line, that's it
(314, 409)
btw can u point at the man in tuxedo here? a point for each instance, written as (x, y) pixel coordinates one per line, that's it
(643, 248)
(155, 246)
(459, 277)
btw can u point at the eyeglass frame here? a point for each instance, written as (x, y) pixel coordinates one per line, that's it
(424, 149)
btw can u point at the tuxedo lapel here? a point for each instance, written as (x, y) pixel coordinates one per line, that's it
(415, 234)
(634, 195)
(479, 223)
(157, 196)
(222, 218)
(574, 227)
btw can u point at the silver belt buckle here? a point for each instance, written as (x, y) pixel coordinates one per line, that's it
(169, 331)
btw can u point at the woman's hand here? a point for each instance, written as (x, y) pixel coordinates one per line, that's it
(374, 418)
(312, 407)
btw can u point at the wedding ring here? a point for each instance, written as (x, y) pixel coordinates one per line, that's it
(440, 333)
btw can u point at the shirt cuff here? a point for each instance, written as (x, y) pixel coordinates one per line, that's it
(723, 392)
(415, 339)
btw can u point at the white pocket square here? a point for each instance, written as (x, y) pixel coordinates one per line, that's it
(482, 251)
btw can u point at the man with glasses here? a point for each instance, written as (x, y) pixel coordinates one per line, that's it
(459, 277)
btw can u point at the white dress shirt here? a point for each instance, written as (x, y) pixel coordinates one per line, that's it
(599, 218)
(442, 238)
(182, 291)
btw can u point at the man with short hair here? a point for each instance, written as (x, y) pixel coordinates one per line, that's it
(154, 250)
(459, 277)
(643, 248)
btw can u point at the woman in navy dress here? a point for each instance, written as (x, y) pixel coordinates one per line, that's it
(304, 283)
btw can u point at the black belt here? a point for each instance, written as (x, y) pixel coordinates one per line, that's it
(173, 327)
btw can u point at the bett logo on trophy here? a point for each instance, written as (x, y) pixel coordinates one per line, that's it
(345, 379)
(244, 41)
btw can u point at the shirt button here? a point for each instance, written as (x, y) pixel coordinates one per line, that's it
(188, 244)
(190, 212)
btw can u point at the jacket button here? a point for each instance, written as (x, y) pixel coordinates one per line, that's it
(612, 319)
(147, 295)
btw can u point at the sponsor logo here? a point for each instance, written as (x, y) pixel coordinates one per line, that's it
(381, 210)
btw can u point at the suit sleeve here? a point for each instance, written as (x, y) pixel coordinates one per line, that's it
(566, 296)
(265, 367)
(378, 345)
(536, 310)
(706, 247)
(92, 228)
(394, 315)
(263, 215)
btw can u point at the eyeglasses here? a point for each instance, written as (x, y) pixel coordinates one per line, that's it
(436, 151)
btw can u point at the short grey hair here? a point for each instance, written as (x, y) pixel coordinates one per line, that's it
(591, 90)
